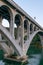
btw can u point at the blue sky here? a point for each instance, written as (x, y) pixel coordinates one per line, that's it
(33, 7)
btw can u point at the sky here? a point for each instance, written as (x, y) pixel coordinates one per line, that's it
(33, 7)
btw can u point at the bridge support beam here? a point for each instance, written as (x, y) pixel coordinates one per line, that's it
(0, 24)
(28, 30)
(22, 34)
(12, 26)
(32, 28)
(18, 32)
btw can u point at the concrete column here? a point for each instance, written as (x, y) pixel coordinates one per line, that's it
(28, 30)
(36, 28)
(33, 27)
(18, 32)
(12, 26)
(0, 24)
(0, 20)
(31, 31)
(22, 33)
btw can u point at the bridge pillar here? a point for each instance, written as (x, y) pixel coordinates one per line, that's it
(28, 30)
(22, 33)
(0, 24)
(0, 20)
(12, 26)
(33, 27)
(37, 28)
(18, 32)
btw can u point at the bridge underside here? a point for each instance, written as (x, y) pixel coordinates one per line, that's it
(20, 37)
(28, 42)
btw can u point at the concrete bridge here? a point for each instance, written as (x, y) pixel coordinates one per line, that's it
(12, 40)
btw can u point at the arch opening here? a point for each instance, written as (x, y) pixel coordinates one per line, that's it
(6, 16)
(5, 23)
(31, 28)
(35, 28)
(17, 29)
(5, 12)
(25, 29)
(35, 46)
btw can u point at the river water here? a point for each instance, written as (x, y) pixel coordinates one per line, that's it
(34, 60)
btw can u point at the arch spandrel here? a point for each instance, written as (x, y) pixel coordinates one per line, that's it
(7, 10)
(2, 3)
(30, 40)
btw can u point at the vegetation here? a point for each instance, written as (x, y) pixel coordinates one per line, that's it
(35, 46)
(1, 54)
(41, 62)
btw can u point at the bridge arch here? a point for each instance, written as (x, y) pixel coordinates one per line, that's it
(25, 24)
(6, 14)
(17, 19)
(31, 28)
(35, 33)
(11, 40)
(17, 29)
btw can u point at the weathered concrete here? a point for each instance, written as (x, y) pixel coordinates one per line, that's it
(17, 45)
(28, 42)
(5, 47)
(12, 40)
